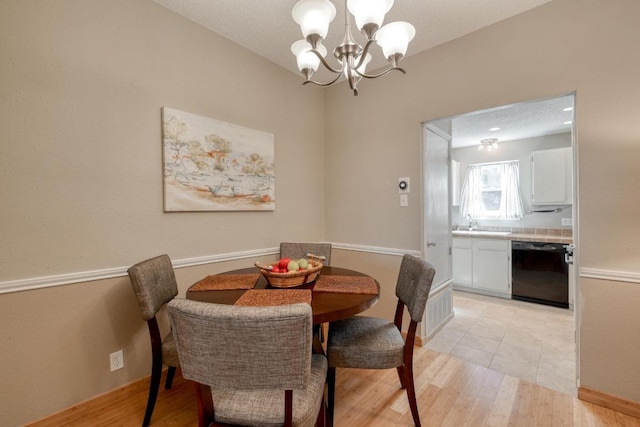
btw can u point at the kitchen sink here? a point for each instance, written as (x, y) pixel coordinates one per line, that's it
(482, 233)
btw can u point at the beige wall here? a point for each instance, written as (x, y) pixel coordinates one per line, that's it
(609, 347)
(587, 46)
(56, 342)
(82, 84)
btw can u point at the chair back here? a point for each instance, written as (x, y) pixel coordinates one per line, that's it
(154, 284)
(414, 283)
(243, 348)
(300, 250)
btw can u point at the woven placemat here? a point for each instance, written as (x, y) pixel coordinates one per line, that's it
(223, 282)
(264, 297)
(346, 285)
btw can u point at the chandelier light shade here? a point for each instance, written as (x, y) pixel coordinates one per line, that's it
(307, 61)
(314, 17)
(394, 39)
(369, 12)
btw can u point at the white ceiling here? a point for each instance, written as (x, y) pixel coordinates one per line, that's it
(517, 121)
(266, 28)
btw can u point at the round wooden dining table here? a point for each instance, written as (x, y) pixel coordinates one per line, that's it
(326, 306)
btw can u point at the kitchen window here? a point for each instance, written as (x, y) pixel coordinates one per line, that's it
(492, 191)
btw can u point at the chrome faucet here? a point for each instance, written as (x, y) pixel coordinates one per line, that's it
(472, 223)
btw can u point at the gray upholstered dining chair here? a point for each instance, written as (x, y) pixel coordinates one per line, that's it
(372, 343)
(300, 250)
(154, 284)
(252, 366)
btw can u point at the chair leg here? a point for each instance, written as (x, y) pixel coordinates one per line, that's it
(331, 381)
(411, 394)
(170, 374)
(322, 415)
(156, 373)
(401, 376)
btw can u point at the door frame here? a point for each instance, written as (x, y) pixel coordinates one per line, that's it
(447, 284)
(575, 208)
(423, 240)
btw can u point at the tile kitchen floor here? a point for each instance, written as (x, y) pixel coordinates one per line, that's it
(529, 341)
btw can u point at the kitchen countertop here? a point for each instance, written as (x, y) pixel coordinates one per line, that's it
(548, 235)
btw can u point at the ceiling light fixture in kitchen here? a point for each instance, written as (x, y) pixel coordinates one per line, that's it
(314, 17)
(488, 144)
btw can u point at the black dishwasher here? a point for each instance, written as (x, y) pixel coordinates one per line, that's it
(540, 273)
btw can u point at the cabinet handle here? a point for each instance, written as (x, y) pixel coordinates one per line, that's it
(430, 243)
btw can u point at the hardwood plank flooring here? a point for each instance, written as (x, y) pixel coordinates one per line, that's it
(451, 392)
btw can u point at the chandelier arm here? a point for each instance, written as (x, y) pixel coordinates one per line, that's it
(352, 79)
(322, 84)
(325, 63)
(373, 76)
(363, 55)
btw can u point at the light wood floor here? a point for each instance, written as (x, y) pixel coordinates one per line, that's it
(451, 392)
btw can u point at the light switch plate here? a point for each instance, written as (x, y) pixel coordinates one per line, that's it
(567, 222)
(404, 200)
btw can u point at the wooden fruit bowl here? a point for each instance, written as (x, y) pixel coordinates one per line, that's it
(292, 278)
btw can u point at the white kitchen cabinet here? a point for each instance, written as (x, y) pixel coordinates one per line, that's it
(552, 177)
(462, 260)
(482, 266)
(492, 265)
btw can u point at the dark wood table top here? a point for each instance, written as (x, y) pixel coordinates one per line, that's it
(326, 306)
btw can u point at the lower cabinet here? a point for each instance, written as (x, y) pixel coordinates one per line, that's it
(482, 266)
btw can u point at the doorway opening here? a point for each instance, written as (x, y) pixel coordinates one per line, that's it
(538, 136)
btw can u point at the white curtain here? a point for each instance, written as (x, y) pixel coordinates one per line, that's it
(472, 204)
(510, 201)
(471, 195)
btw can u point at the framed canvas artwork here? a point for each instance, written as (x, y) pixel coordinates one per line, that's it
(210, 165)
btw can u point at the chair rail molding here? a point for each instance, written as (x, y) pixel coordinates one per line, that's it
(110, 273)
(375, 249)
(611, 275)
(10, 286)
(32, 283)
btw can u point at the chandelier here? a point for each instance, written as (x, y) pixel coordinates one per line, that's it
(314, 17)
(489, 144)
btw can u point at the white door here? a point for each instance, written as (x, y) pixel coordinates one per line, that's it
(437, 205)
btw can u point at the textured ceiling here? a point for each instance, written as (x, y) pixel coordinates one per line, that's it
(266, 28)
(518, 121)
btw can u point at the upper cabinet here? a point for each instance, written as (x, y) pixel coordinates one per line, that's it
(552, 177)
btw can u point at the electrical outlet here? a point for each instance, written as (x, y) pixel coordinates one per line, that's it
(567, 222)
(117, 360)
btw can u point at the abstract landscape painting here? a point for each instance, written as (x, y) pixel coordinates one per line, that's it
(210, 165)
